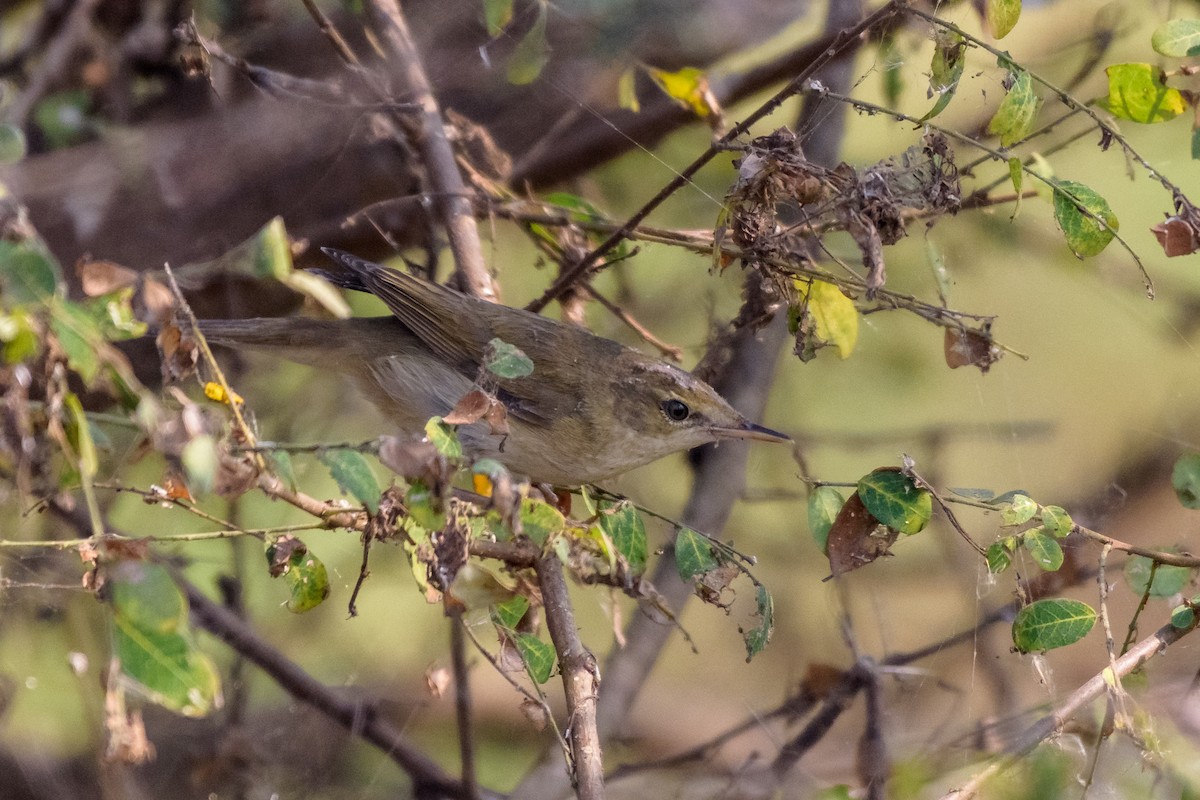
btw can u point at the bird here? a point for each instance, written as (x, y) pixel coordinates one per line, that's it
(591, 409)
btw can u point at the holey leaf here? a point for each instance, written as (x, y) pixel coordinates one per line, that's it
(1086, 219)
(623, 525)
(1047, 624)
(833, 312)
(893, 499)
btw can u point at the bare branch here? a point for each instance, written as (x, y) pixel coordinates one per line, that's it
(580, 677)
(453, 203)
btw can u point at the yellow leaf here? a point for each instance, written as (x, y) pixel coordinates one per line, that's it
(689, 88)
(834, 313)
(215, 391)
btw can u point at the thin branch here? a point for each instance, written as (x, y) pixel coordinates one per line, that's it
(462, 707)
(437, 156)
(1054, 722)
(357, 716)
(842, 41)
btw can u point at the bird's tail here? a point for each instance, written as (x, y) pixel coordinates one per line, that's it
(317, 342)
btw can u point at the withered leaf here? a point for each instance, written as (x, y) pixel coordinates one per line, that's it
(101, 277)
(856, 538)
(470, 408)
(1176, 236)
(970, 348)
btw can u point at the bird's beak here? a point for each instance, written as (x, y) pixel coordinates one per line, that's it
(748, 430)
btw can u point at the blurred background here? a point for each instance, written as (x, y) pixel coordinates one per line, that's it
(125, 158)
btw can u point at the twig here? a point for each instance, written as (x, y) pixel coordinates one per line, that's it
(669, 350)
(842, 41)
(462, 707)
(436, 153)
(873, 108)
(357, 716)
(1053, 723)
(330, 31)
(580, 677)
(54, 60)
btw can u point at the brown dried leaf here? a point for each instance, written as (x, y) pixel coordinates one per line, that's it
(1176, 236)
(712, 585)
(470, 408)
(101, 277)
(970, 348)
(413, 459)
(279, 555)
(178, 353)
(437, 680)
(856, 538)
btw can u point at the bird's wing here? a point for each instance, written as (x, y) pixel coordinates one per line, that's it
(458, 328)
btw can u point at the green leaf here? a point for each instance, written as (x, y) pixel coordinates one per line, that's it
(304, 573)
(1044, 549)
(693, 554)
(79, 337)
(824, 503)
(1167, 580)
(623, 525)
(1041, 167)
(538, 656)
(756, 638)
(424, 507)
(114, 316)
(1047, 624)
(1178, 38)
(12, 144)
(540, 520)
(945, 70)
(1057, 521)
(79, 434)
(1086, 219)
(893, 69)
(1020, 510)
(282, 467)
(1183, 616)
(200, 462)
(353, 475)
(1002, 16)
(834, 313)
(1017, 112)
(998, 558)
(443, 438)
(1136, 92)
(62, 118)
(497, 14)
(627, 91)
(531, 53)
(506, 360)
(152, 644)
(1185, 477)
(19, 336)
(971, 493)
(510, 612)
(894, 500)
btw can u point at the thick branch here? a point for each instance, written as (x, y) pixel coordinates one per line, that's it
(354, 715)
(451, 197)
(580, 677)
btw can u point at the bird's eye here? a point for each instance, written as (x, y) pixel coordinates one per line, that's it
(676, 410)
